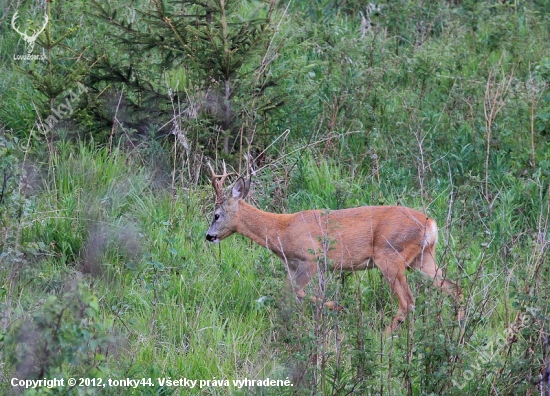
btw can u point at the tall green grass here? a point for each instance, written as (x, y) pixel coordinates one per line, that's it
(165, 303)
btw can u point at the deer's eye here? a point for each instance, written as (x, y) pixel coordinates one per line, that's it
(216, 217)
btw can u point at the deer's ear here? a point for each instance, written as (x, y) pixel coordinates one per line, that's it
(240, 188)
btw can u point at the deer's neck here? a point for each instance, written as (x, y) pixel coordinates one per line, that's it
(264, 228)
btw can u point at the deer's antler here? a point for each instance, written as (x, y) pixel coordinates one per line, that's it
(217, 183)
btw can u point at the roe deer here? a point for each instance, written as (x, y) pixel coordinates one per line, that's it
(392, 238)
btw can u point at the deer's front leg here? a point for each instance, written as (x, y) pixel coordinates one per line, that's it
(393, 268)
(299, 275)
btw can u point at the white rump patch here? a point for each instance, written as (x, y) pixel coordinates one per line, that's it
(431, 234)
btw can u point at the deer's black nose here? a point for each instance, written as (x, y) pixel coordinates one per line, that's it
(210, 238)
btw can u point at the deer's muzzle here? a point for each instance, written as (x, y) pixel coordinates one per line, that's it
(212, 238)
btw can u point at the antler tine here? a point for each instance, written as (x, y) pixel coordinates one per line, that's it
(218, 184)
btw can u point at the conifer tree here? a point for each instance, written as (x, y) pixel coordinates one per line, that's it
(210, 42)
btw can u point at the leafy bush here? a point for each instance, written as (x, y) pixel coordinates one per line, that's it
(61, 336)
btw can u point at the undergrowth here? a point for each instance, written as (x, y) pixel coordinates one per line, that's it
(114, 267)
(104, 201)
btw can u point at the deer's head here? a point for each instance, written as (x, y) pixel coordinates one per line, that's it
(226, 211)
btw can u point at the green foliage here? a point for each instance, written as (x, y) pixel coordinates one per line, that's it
(440, 106)
(202, 314)
(15, 206)
(198, 68)
(59, 66)
(9, 175)
(65, 335)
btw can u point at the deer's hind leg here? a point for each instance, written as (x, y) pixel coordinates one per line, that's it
(425, 263)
